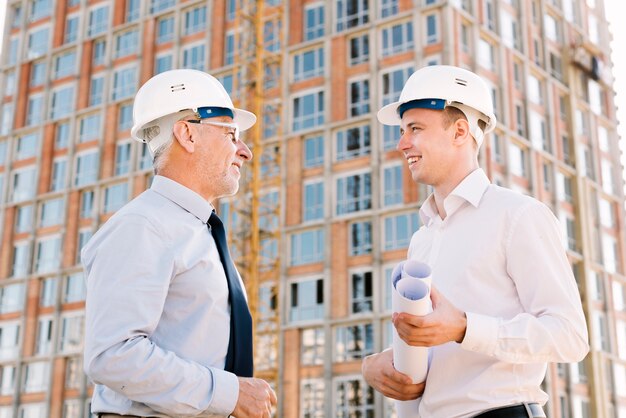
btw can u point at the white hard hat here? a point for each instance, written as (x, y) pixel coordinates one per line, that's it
(173, 91)
(438, 86)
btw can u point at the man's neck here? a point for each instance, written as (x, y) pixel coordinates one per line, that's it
(442, 191)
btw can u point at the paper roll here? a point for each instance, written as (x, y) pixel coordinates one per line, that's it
(411, 281)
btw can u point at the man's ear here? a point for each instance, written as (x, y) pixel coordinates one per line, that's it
(182, 135)
(462, 132)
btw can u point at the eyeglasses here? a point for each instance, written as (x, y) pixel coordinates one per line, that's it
(233, 127)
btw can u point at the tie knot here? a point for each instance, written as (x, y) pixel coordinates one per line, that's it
(215, 221)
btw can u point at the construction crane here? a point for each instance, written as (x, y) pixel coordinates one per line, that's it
(255, 214)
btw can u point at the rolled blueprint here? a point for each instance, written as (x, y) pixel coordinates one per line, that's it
(411, 282)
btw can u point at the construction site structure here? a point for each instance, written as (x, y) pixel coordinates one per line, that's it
(327, 206)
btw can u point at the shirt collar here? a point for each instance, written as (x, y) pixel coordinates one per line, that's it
(471, 189)
(184, 197)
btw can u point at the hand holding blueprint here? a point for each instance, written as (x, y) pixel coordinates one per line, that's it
(411, 281)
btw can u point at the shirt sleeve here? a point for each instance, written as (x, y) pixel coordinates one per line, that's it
(129, 268)
(552, 327)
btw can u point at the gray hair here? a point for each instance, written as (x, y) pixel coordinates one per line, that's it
(160, 135)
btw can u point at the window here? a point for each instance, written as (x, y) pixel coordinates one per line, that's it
(72, 333)
(124, 83)
(362, 292)
(535, 89)
(360, 238)
(313, 151)
(71, 408)
(359, 49)
(432, 29)
(3, 151)
(11, 300)
(9, 341)
(38, 42)
(308, 64)
(229, 48)
(16, 16)
(34, 114)
(71, 29)
(52, 212)
(40, 9)
(193, 57)
(89, 128)
(486, 55)
(62, 102)
(520, 120)
(86, 204)
(388, 8)
(551, 28)
(33, 410)
(99, 52)
(9, 81)
(24, 219)
(231, 10)
(84, 235)
(12, 52)
(353, 142)
(87, 165)
(48, 254)
(271, 35)
(313, 21)
(392, 191)
(490, 15)
(354, 193)
(313, 201)
(115, 197)
(38, 73)
(43, 343)
(399, 229)
(73, 372)
(393, 82)
(307, 300)
(160, 5)
(518, 160)
(165, 30)
(465, 38)
(359, 97)
(65, 65)
(351, 13)
(48, 293)
(27, 146)
(98, 21)
(498, 153)
(24, 184)
(307, 247)
(74, 288)
(133, 10)
(195, 20)
(7, 119)
(397, 38)
(354, 397)
(538, 132)
(7, 384)
(36, 378)
(126, 43)
(145, 159)
(353, 342)
(96, 91)
(122, 159)
(312, 400)
(125, 117)
(312, 346)
(308, 111)
(162, 63)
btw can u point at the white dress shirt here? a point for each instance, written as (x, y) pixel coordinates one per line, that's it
(497, 256)
(157, 312)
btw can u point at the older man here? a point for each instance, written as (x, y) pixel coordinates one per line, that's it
(168, 330)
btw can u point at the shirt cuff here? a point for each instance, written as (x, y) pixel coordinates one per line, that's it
(481, 334)
(225, 392)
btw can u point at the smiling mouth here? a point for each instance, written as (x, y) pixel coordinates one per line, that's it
(413, 160)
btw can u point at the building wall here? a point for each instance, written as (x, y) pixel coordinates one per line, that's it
(348, 202)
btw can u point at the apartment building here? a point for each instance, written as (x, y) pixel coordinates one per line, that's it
(347, 203)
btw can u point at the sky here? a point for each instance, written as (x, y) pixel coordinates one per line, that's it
(614, 9)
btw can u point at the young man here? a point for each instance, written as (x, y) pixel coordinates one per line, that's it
(505, 302)
(168, 330)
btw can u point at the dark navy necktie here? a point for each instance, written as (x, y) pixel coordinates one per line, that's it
(239, 356)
